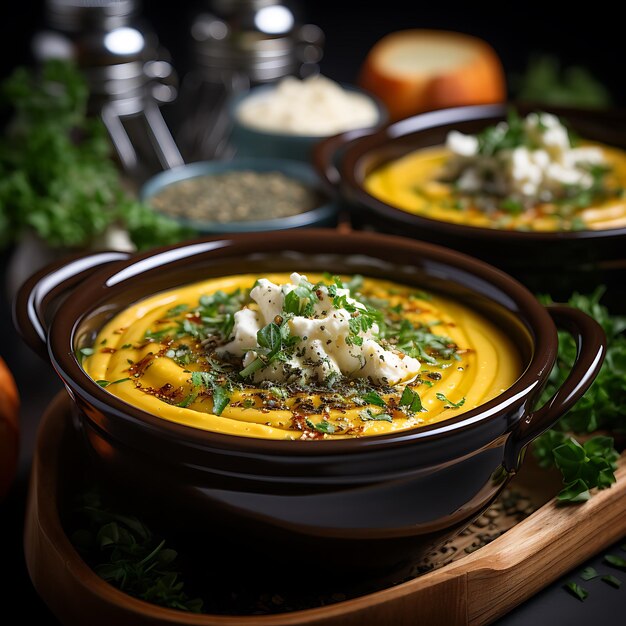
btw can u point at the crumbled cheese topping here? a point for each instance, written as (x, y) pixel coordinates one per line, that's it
(314, 106)
(536, 170)
(326, 345)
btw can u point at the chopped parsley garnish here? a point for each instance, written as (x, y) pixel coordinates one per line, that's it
(576, 590)
(106, 383)
(615, 561)
(589, 573)
(190, 399)
(419, 342)
(176, 310)
(273, 341)
(159, 335)
(371, 397)
(183, 354)
(301, 300)
(612, 580)
(449, 404)
(411, 400)
(367, 416)
(324, 427)
(221, 392)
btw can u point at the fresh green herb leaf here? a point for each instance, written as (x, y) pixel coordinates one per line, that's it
(269, 337)
(124, 552)
(612, 580)
(58, 179)
(221, 393)
(190, 399)
(103, 383)
(576, 590)
(589, 573)
(411, 400)
(253, 367)
(449, 404)
(221, 399)
(420, 295)
(176, 310)
(327, 428)
(512, 206)
(615, 561)
(126, 346)
(159, 335)
(576, 491)
(371, 397)
(368, 416)
(546, 82)
(280, 393)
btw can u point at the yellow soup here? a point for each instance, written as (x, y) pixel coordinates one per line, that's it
(151, 355)
(413, 184)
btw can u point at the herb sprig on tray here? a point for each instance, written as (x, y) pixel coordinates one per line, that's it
(603, 408)
(126, 553)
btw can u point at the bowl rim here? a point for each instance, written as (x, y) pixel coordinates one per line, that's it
(355, 151)
(62, 334)
(291, 168)
(237, 99)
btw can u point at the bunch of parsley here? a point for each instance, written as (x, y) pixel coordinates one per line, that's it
(56, 175)
(602, 408)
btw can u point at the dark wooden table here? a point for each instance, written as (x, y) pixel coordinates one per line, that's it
(38, 384)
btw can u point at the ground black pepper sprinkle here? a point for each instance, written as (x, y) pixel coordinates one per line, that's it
(238, 196)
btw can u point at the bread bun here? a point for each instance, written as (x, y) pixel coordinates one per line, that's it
(413, 71)
(9, 428)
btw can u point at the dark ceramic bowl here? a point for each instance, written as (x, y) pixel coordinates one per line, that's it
(325, 214)
(557, 262)
(363, 505)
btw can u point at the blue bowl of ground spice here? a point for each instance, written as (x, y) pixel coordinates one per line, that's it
(241, 195)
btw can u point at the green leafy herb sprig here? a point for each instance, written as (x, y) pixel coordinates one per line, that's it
(126, 553)
(546, 82)
(603, 407)
(56, 175)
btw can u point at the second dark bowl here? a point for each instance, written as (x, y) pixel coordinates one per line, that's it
(373, 504)
(554, 262)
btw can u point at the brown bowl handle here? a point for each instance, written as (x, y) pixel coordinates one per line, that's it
(40, 293)
(590, 353)
(327, 152)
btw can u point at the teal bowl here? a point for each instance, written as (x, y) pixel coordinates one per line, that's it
(252, 142)
(323, 215)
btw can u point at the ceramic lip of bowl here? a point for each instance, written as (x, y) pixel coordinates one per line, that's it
(318, 216)
(402, 137)
(98, 293)
(237, 100)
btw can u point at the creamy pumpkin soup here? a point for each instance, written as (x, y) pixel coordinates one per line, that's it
(302, 357)
(523, 174)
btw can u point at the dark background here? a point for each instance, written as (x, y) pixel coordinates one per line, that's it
(592, 37)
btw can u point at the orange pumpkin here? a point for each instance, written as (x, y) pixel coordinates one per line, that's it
(9, 428)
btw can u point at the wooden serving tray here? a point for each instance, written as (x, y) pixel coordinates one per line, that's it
(475, 586)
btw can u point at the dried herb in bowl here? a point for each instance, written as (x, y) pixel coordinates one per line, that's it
(236, 196)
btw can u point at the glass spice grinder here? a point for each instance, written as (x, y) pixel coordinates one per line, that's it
(129, 75)
(238, 44)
